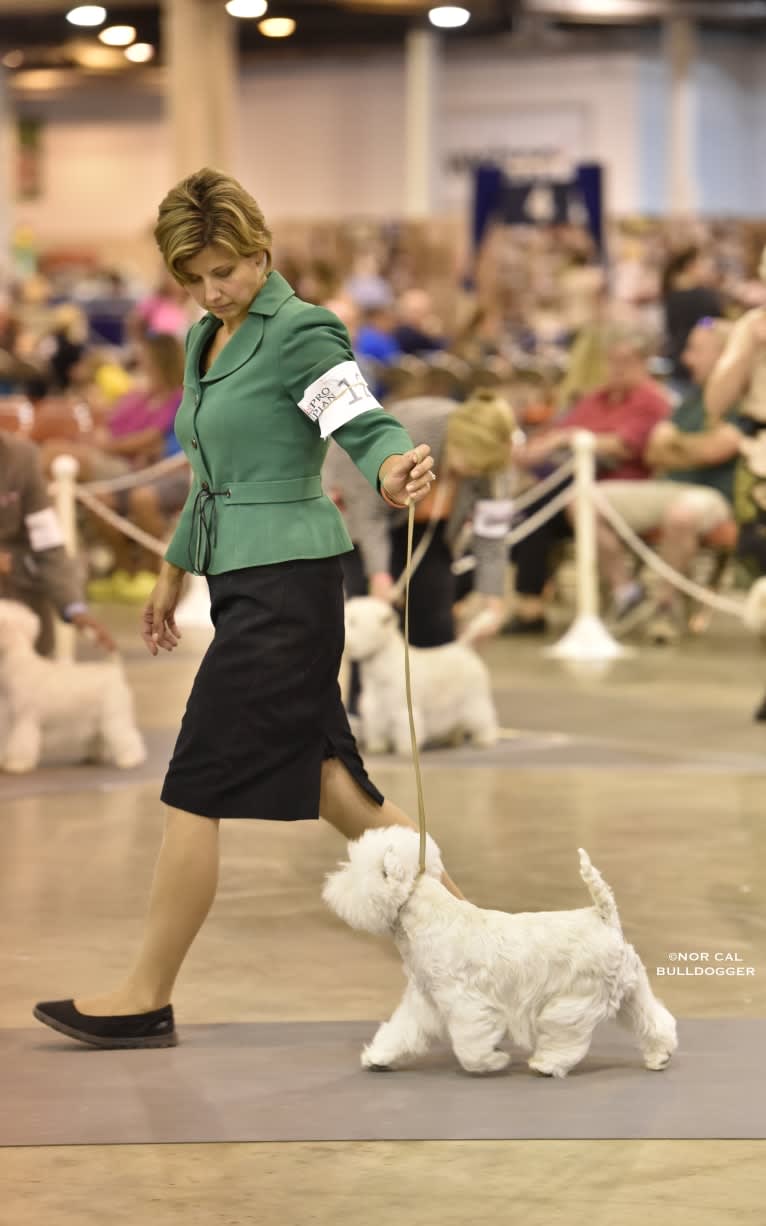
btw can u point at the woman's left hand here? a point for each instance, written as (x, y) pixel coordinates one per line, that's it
(409, 477)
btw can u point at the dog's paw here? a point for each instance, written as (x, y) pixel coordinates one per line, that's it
(495, 1062)
(127, 761)
(484, 740)
(546, 1067)
(369, 1061)
(657, 1060)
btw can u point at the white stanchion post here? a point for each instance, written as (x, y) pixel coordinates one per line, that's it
(587, 639)
(64, 469)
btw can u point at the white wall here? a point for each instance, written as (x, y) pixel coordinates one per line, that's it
(325, 138)
(585, 105)
(729, 97)
(100, 178)
(728, 81)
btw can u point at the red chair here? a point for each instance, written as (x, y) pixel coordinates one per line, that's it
(17, 415)
(61, 419)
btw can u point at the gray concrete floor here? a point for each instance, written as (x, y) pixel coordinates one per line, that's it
(656, 768)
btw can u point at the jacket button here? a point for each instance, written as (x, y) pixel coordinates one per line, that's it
(205, 486)
(194, 443)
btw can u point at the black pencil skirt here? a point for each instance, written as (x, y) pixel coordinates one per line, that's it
(265, 709)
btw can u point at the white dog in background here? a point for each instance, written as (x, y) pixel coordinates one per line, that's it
(546, 979)
(452, 697)
(85, 711)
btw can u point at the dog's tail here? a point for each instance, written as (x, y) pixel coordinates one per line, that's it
(602, 896)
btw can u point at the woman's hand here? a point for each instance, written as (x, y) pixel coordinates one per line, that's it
(409, 477)
(158, 627)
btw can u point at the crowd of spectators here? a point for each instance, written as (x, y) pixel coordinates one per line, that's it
(540, 321)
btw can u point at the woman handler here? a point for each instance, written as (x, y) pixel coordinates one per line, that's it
(268, 380)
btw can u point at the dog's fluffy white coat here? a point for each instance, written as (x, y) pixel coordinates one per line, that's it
(81, 711)
(452, 697)
(546, 979)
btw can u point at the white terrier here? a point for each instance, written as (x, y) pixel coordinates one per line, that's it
(451, 688)
(84, 710)
(546, 979)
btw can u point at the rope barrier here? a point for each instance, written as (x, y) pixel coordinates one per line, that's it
(541, 488)
(142, 476)
(723, 604)
(119, 522)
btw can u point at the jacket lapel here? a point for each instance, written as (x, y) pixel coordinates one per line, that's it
(248, 336)
(235, 352)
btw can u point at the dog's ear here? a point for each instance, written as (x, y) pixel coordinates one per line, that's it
(393, 868)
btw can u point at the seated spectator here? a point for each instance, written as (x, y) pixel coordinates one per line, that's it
(692, 498)
(622, 414)
(134, 435)
(482, 335)
(418, 330)
(138, 424)
(688, 295)
(35, 568)
(166, 311)
(65, 344)
(375, 337)
(134, 430)
(101, 380)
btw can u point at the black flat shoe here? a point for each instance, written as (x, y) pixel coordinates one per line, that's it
(154, 1029)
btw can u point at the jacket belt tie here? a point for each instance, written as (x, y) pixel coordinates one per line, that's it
(204, 533)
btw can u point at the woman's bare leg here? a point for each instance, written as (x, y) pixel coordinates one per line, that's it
(185, 882)
(351, 811)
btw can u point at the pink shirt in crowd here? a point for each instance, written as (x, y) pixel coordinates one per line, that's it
(632, 418)
(137, 411)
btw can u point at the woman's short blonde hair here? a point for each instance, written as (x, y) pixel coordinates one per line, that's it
(480, 430)
(209, 208)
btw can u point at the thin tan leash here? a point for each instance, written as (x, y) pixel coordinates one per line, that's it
(412, 564)
(408, 687)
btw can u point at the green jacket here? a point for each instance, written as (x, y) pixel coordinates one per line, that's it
(256, 428)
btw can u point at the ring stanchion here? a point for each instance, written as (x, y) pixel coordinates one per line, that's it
(587, 640)
(64, 469)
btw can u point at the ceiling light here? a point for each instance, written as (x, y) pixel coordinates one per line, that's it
(95, 57)
(140, 53)
(277, 27)
(118, 36)
(247, 8)
(87, 15)
(449, 16)
(13, 59)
